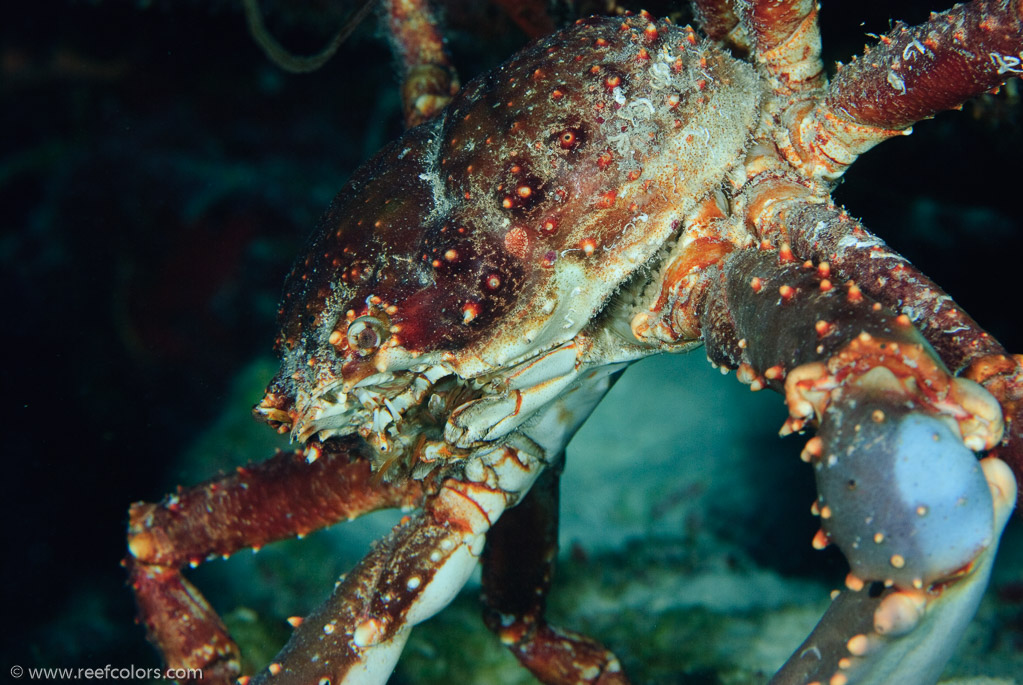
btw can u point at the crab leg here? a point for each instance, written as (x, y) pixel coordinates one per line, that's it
(913, 74)
(787, 40)
(904, 627)
(827, 233)
(899, 490)
(357, 635)
(429, 78)
(181, 624)
(782, 212)
(290, 494)
(518, 563)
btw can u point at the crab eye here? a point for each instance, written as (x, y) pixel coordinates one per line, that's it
(365, 334)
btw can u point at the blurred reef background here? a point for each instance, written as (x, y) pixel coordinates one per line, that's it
(157, 177)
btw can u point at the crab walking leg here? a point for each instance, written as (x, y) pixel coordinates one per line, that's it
(518, 563)
(181, 624)
(913, 74)
(356, 636)
(899, 490)
(783, 213)
(786, 39)
(429, 79)
(291, 494)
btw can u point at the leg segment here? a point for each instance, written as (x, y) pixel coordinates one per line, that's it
(913, 74)
(787, 40)
(517, 567)
(290, 494)
(781, 213)
(181, 624)
(825, 233)
(357, 635)
(429, 78)
(899, 490)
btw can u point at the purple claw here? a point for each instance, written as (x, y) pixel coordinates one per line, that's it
(902, 497)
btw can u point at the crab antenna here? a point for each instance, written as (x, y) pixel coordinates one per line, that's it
(298, 64)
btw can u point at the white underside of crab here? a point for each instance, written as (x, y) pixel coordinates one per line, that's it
(572, 375)
(496, 477)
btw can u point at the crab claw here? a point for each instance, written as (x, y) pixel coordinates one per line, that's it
(905, 500)
(918, 518)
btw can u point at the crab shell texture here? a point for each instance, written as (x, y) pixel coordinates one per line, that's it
(500, 229)
(468, 297)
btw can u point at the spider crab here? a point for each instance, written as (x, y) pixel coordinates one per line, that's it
(621, 188)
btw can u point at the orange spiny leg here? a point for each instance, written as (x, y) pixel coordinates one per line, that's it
(517, 567)
(913, 74)
(182, 625)
(786, 38)
(429, 79)
(291, 494)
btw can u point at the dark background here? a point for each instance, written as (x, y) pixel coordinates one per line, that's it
(157, 177)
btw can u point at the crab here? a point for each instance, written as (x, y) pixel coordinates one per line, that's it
(622, 188)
